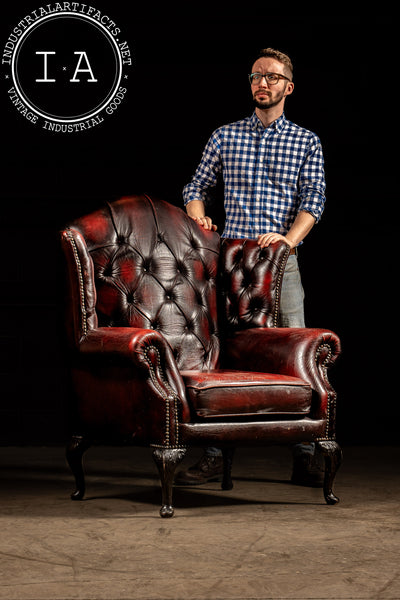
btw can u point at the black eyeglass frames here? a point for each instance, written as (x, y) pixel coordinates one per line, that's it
(270, 78)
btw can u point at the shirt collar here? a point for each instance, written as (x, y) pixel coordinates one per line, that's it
(278, 125)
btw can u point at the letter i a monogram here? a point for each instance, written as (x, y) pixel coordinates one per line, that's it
(74, 79)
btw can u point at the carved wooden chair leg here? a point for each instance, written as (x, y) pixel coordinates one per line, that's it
(227, 454)
(167, 459)
(75, 450)
(333, 458)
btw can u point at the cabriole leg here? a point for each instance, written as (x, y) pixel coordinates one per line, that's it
(333, 457)
(167, 459)
(74, 454)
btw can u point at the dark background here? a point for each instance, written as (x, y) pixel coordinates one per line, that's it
(189, 77)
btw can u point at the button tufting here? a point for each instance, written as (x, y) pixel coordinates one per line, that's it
(108, 271)
(180, 267)
(146, 264)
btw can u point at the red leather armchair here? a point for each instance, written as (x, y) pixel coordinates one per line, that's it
(174, 343)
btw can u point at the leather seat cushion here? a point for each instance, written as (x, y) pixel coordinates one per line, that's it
(226, 393)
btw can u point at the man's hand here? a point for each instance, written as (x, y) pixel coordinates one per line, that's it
(302, 225)
(266, 239)
(205, 222)
(195, 210)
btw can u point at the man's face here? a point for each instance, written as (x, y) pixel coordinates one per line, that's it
(267, 96)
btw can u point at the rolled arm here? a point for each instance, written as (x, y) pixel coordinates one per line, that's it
(306, 353)
(151, 358)
(289, 351)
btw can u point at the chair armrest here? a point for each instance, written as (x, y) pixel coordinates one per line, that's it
(285, 350)
(150, 356)
(129, 343)
(306, 353)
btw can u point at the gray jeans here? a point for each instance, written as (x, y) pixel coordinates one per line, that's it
(292, 296)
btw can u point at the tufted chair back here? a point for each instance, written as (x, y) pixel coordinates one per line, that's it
(148, 265)
(250, 279)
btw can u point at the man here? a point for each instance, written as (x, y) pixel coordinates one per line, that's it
(274, 186)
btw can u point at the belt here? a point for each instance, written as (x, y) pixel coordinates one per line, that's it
(293, 251)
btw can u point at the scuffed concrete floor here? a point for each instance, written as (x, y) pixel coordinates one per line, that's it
(265, 539)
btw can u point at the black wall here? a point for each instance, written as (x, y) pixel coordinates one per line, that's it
(190, 76)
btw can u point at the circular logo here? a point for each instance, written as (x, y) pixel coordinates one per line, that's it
(68, 68)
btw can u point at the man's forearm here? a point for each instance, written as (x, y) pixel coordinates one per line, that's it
(195, 208)
(301, 227)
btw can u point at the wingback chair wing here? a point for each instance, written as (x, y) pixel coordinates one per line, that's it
(174, 343)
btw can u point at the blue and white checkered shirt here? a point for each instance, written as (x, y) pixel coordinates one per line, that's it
(269, 175)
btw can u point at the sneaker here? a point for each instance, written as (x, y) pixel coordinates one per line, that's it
(209, 468)
(308, 470)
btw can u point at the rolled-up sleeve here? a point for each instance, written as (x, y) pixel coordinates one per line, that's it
(311, 184)
(206, 175)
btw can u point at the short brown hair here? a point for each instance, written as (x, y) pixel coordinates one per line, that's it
(280, 56)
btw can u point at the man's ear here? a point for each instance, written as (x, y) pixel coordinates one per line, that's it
(289, 88)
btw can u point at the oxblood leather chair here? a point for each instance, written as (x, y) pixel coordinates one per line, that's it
(174, 343)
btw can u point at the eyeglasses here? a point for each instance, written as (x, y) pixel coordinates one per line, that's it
(270, 78)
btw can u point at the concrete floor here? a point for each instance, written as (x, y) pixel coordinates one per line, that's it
(265, 539)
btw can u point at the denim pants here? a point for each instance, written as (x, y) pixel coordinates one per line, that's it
(292, 296)
(291, 315)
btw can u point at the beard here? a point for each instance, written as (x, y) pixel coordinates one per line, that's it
(268, 102)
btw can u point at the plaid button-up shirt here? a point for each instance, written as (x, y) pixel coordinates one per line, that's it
(269, 175)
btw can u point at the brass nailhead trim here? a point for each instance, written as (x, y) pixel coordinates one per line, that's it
(280, 276)
(331, 394)
(80, 281)
(172, 394)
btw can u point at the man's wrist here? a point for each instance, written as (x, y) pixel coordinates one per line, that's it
(291, 243)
